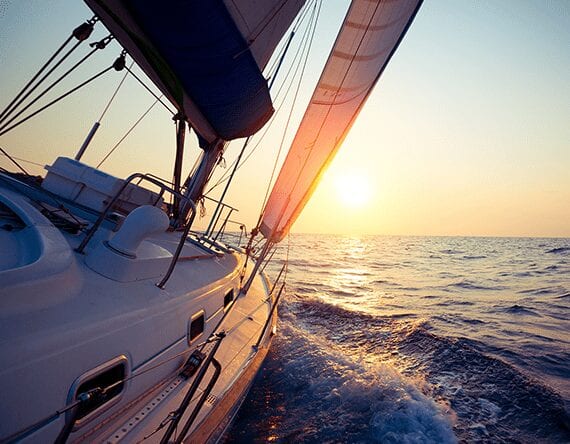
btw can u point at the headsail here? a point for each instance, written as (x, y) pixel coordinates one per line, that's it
(370, 34)
(206, 56)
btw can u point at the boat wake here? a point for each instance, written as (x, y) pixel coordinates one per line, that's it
(335, 375)
(313, 390)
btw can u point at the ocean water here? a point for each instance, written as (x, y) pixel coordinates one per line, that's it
(417, 340)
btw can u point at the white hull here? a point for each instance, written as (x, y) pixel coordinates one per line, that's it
(68, 317)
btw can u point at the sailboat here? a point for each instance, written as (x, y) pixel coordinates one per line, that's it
(119, 321)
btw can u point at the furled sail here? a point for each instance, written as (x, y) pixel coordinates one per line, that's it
(370, 34)
(206, 56)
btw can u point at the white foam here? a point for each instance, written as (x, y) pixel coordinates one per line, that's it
(347, 393)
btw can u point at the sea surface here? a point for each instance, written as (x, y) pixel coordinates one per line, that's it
(416, 340)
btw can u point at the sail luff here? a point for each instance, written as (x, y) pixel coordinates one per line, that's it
(370, 37)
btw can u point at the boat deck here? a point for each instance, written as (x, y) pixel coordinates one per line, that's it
(64, 314)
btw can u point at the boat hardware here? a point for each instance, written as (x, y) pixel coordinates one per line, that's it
(81, 33)
(97, 123)
(201, 402)
(192, 364)
(96, 46)
(192, 391)
(85, 398)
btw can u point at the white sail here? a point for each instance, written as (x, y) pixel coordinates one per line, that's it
(370, 34)
(263, 23)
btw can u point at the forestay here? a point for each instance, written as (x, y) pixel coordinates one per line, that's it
(205, 56)
(370, 34)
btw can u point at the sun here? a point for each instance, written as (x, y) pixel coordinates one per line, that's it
(353, 189)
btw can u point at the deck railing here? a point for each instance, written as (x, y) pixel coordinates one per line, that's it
(163, 189)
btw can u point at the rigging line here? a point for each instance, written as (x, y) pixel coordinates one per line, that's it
(15, 106)
(299, 53)
(300, 18)
(228, 183)
(116, 91)
(129, 131)
(268, 19)
(211, 339)
(318, 10)
(295, 65)
(42, 422)
(262, 269)
(151, 92)
(14, 161)
(101, 44)
(81, 33)
(4, 131)
(287, 256)
(27, 161)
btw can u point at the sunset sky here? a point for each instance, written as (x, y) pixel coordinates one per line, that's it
(466, 133)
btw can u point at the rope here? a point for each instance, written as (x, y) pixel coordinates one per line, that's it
(116, 91)
(150, 91)
(308, 47)
(128, 132)
(81, 33)
(324, 120)
(96, 46)
(4, 130)
(24, 160)
(13, 161)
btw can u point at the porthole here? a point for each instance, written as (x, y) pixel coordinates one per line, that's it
(196, 326)
(228, 298)
(108, 377)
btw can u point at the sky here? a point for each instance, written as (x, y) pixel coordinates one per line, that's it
(466, 133)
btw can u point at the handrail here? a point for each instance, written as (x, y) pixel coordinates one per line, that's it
(217, 216)
(159, 183)
(114, 199)
(174, 260)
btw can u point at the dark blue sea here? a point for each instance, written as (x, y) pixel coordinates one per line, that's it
(417, 340)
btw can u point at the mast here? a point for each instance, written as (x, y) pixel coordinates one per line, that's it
(199, 178)
(180, 137)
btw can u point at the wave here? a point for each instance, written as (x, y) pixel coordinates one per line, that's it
(467, 285)
(520, 310)
(558, 250)
(540, 291)
(319, 392)
(492, 400)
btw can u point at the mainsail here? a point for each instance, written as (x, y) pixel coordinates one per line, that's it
(206, 56)
(370, 34)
